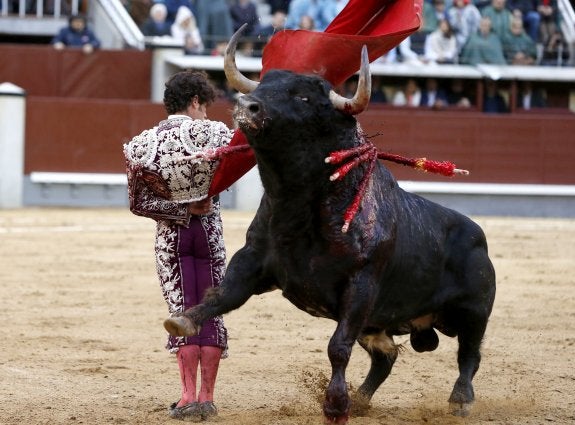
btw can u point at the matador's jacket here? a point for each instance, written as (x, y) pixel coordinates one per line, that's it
(162, 180)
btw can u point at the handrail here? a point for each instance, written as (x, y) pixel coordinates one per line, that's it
(124, 23)
(567, 20)
(40, 12)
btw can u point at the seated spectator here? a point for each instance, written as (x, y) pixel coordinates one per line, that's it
(433, 96)
(377, 91)
(307, 23)
(434, 11)
(244, 12)
(483, 47)
(500, 17)
(157, 25)
(464, 19)
(440, 45)
(456, 94)
(409, 95)
(278, 6)
(299, 8)
(518, 47)
(174, 5)
(526, 10)
(214, 21)
(327, 10)
(406, 54)
(528, 97)
(76, 34)
(185, 30)
(139, 10)
(549, 34)
(277, 23)
(493, 101)
(481, 4)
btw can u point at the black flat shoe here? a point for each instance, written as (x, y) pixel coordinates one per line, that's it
(191, 412)
(208, 409)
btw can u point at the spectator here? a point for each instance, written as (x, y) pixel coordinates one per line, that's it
(185, 31)
(433, 96)
(456, 94)
(500, 17)
(528, 97)
(139, 10)
(518, 47)
(404, 53)
(527, 11)
(327, 10)
(299, 8)
(76, 34)
(409, 95)
(464, 19)
(481, 4)
(440, 45)
(156, 24)
(307, 23)
(174, 5)
(277, 23)
(244, 12)
(377, 90)
(483, 47)
(434, 11)
(493, 101)
(214, 21)
(278, 6)
(549, 34)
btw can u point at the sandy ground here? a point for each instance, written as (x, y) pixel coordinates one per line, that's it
(82, 339)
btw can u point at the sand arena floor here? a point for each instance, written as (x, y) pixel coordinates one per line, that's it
(82, 338)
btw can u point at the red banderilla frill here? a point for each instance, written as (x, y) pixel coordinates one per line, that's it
(367, 152)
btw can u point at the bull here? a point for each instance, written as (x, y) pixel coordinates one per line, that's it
(402, 265)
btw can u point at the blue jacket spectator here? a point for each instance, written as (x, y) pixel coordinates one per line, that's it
(527, 10)
(245, 12)
(157, 24)
(76, 34)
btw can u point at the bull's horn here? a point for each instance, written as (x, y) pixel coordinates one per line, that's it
(358, 103)
(234, 76)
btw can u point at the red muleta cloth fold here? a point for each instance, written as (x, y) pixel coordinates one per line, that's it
(334, 54)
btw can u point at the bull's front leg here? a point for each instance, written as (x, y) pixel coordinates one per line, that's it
(242, 280)
(355, 306)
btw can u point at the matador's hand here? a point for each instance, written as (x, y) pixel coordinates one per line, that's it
(200, 207)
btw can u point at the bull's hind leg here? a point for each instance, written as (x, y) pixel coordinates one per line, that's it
(468, 359)
(383, 353)
(469, 319)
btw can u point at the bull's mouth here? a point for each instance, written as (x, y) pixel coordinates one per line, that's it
(247, 122)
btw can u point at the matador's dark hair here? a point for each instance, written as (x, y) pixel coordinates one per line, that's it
(183, 86)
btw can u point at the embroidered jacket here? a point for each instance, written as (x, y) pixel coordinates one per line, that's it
(160, 182)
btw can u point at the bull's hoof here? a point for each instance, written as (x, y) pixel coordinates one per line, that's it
(339, 420)
(181, 326)
(460, 409)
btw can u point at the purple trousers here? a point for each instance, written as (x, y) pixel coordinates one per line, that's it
(189, 261)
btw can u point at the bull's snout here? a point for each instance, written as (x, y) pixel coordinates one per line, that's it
(249, 114)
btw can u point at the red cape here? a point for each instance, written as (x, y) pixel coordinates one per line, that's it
(333, 54)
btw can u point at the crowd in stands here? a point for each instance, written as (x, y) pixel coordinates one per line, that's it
(519, 32)
(512, 32)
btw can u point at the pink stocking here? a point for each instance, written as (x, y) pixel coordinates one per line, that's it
(188, 359)
(209, 363)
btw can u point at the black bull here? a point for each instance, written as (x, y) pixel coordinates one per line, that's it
(406, 264)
